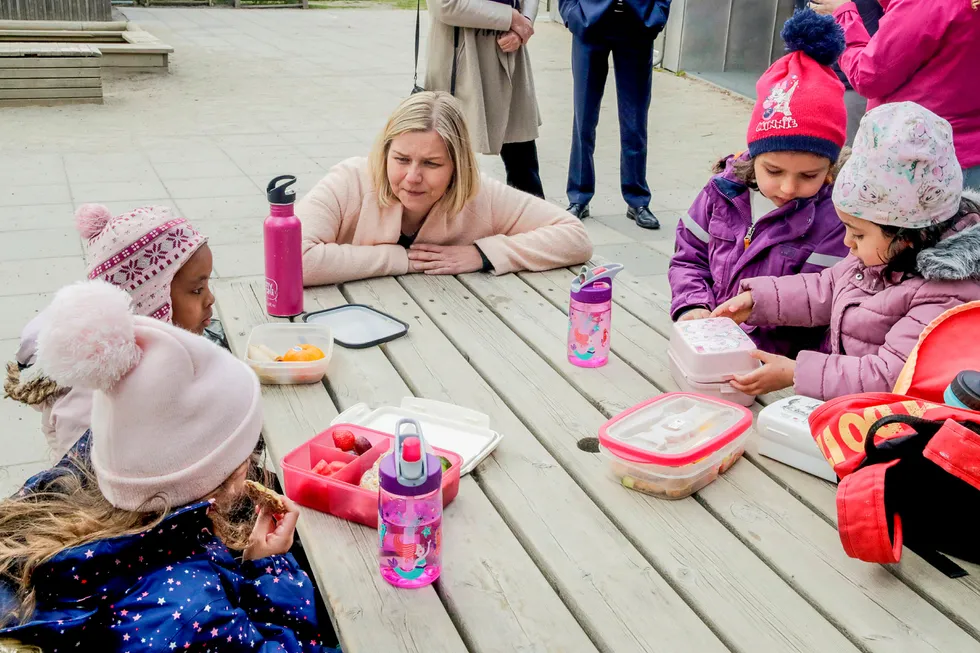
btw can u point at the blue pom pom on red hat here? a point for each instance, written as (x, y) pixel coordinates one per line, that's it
(818, 37)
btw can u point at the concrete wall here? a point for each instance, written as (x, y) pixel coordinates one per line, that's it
(90, 10)
(725, 35)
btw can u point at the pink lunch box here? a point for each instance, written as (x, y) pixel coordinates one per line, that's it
(340, 494)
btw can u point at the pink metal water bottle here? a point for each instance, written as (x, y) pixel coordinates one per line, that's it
(283, 235)
(590, 316)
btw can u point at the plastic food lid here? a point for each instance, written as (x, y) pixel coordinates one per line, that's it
(966, 388)
(674, 429)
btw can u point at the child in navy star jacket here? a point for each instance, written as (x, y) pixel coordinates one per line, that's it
(131, 550)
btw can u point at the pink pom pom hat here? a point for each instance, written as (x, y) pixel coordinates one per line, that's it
(139, 251)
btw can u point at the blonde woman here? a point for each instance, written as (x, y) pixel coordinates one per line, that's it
(419, 204)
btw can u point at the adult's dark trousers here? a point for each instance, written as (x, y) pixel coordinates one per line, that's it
(521, 163)
(632, 57)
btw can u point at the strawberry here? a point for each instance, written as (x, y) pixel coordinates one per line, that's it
(336, 466)
(343, 440)
(361, 445)
(321, 467)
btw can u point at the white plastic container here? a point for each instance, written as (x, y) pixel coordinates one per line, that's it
(673, 445)
(784, 435)
(279, 338)
(447, 426)
(706, 354)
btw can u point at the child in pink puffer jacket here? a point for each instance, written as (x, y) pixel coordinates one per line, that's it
(915, 253)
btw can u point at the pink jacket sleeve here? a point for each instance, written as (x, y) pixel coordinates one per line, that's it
(826, 376)
(909, 34)
(322, 213)
(530, 233)
(801, 300)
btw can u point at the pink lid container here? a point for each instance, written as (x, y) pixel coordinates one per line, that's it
(706, 354)
(673, 445)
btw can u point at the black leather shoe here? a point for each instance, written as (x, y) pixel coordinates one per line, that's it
(643, 217)
(580, 211)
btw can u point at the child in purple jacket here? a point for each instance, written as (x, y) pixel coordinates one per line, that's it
(914, 236)
(769, 211)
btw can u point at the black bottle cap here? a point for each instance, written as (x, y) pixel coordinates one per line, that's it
(279, 191)
(966, 388)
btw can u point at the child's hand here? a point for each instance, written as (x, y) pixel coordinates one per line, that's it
(776, 373)
(694, 314)
(739, 307)
(272, 535)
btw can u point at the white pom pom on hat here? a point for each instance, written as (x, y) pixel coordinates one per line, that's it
(91, 219)
(88, 339)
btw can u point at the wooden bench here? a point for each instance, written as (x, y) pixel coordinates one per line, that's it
(50, 73)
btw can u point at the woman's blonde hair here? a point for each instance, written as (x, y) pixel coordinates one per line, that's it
(422, 112)
(71, 511)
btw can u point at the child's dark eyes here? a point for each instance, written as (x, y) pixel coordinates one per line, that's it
(401, 159)
(810, 177)
(197, 291)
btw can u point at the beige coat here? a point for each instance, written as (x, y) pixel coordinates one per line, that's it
(496, 89)
(347, 235)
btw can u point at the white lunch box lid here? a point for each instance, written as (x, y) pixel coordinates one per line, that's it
(445, 426)
(711, 350)
(784, 435)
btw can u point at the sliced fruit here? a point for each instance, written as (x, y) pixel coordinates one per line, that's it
(302, 353)
(321, 467)
(361, 445)
(336, 466)
(445, 463)
(344, 440)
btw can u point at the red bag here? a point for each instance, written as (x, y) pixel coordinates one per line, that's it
(909, 464)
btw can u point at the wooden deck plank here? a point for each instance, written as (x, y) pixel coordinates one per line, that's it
(745, 602)
(610, 594)
(368, 615)
(872, 605)
(491, 587)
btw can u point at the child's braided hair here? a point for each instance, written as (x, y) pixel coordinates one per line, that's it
(33, 391)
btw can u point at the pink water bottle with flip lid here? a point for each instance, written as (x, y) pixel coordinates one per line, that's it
(410, 510)
(590, 316)
(283, 235)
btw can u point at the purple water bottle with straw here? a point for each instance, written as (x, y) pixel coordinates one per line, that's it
(283, 235)
(590, 316)
(410, 510)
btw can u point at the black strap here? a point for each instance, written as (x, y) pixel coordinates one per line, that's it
(452, 81)
(418, 19)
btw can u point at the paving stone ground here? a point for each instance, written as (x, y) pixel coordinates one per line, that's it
(256, 93)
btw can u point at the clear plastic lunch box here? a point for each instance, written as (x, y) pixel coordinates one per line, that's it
(673, 445)
(706, 354)
(279, 338)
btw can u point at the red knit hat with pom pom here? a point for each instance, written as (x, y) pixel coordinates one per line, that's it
(140, 251)
(800, 105)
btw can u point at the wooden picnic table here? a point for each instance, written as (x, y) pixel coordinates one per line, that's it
(544, 549)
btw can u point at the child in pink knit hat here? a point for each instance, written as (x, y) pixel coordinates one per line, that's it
(161, 261)
(914, 238)
(144, 546)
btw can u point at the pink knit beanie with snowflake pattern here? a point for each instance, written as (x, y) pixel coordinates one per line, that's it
(173, 414)
(140, 251)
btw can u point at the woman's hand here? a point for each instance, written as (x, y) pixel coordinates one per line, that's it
(827, 7)
(521, 25)
(444, 259)
(776, 373)
(739, 308)
(509, 41)
(272, 535)
(694, 314)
